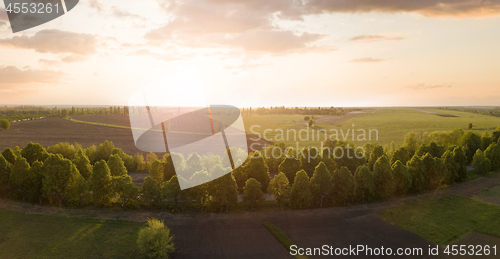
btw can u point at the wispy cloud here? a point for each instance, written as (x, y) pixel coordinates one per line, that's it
(423, 86)
(373, 38)
(367, 60)
(12, 77)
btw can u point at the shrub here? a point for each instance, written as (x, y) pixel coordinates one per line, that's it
(155, 241)
(4, 124)
(481, 164)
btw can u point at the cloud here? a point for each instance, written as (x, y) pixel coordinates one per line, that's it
(245, 66)
(3, 15)
(122, 14)
(73, 58)
(373, 38)
(423, 86)
(12, 77)
(367, 60)
(95, 4)
(458, 8)
(55, 41)
(48, 62)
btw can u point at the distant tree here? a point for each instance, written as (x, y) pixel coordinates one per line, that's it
(62, 179)
(309, 158)
(307, 118)
(344, 185)
(116, 166)
(300, 193)
(486, 141)
(19, 176)
(82, 163)
(470, 142)
(4, 174)
(257, 168)
(496, 135)
(101, 183)
(470, 125)
(4, 124)
(310, 123)
(321, 182)
(279, 187)
(290, 166)
(125, 188)
(9, 155)
(402, 178)
(378, 151)
(416, 168)
(155, 240)
(157, 171)
(33, 152)
(252, 192)
(64, 113)
(481, 164)
(65, 149)
(150, 191)
(383, 177)
(364, 182)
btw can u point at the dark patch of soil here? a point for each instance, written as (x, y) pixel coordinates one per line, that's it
(447, 115)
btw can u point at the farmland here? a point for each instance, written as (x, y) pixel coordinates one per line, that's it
(392, 124)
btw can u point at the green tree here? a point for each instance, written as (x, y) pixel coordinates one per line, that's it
(470, 142)
(364, 182)
(486, 141)
(34, 182)
(4, 124)
(101, 184)
(64, 113)
(310, 123)
(493, 154)
(400, 154)
(300, 193)
(171, 190)
(33, 152)
(4, 174)
(61, 178)
(116, 166)
(83, 165)
(378, 151)
(139, 162)
(257, 168)
(194, 164)
(125, 188)
(451, 165)
(309, 158)
(470, 126)
(344, 185)
(411, 142)
(383, 177)
(223, 192)
(65, 149)
(461, 160)
(290, 166)
(168, 167)
(402, 178)
(279, 187)
(19, 176)
(199, 192)
(9, 155)
(151, 193)
(155, 241)
(321, 182)
(157, 171)
(252, 192)
(481, 164)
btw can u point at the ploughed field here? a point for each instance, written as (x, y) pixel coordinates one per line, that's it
(51, 131)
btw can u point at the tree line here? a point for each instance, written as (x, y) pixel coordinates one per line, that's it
(68, 175)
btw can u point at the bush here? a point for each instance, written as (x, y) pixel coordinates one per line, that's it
(4, 124)
(155, 241)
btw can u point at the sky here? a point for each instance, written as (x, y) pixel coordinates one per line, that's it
(347, 53)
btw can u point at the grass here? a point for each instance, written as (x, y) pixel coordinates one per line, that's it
(392, 124)
(282, 238)
(447, 219)
(38, 236)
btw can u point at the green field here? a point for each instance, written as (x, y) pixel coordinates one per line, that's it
(445, 220)
(37, 236)
(392, 124)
